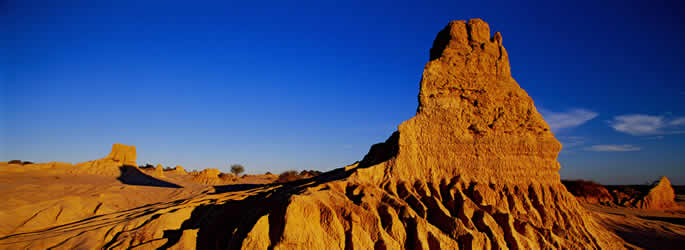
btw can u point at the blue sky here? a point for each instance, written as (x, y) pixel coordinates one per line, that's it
(312, 85)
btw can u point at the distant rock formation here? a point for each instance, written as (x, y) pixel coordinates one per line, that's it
(121, 155)
(124, 154)
(208, 176)
(159, 170)
(588, 191)
(179, 170)
(661, 196)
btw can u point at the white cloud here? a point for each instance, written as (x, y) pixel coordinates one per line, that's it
(613, 148)
(639, 124)
(569, 119)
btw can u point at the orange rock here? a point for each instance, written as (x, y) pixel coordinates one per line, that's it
(121, 155)
(159, 170)
(208, 176)
(180, 170)
(124, 154)
(662, 196)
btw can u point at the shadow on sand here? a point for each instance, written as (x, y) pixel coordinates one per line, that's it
(131, 175)
(225, 226)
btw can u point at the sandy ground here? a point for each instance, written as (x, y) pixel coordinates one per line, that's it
(646, 229)
(36, 200)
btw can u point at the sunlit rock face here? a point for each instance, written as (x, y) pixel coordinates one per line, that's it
(661, 196)
(475, 168)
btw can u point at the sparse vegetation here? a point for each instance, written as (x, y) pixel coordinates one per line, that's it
(146, 166)
(311, 173)
(237, 169)
(288, 176)
(14, 162)
(27, 162)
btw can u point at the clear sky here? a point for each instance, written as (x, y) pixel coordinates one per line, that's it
(278, 85)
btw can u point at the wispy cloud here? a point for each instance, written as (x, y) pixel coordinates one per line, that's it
(640, 124)
(571, 141)
(613, 148)
(569, 119)
(570, 144)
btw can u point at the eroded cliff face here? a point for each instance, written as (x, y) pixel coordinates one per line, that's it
(474, 169)
(473, 119)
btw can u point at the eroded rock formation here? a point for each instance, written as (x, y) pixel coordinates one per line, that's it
(474, 169)
(661, 196)
(121, 155)
(208, 176)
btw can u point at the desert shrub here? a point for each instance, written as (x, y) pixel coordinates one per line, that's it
(14, 162)
(27, 162)
(146, 166)
(288, 176)
(585, 188)
(225, 176)
(310, 172)
(268, 173)
(237, 169)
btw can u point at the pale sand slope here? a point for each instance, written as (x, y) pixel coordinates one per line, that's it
(35, 200)
(39, 196)
(649, 229)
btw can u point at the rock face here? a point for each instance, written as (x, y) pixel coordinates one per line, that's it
(474, 169)
(662, 196)
(159, 170)
(124, 154)
(208, 176)
(121, 155)
(179, 170)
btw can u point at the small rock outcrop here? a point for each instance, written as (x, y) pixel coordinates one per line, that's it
(179, 170)
(159, 170)
(208, 176)
(121, 155)
(124, 154)
(661, 196)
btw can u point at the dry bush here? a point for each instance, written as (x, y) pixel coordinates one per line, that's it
(288, 176)
(237, 169)
(310, 172)
(27, 162)
(14, 162)
(147, 166)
